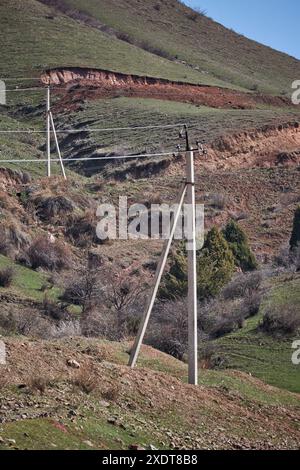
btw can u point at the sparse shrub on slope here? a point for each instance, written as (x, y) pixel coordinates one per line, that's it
(281, 320)
(13, 238)
(215, 266)
(43, 253)
(295, 237)
(238, 243)
(242, 285)
(6, 277)
(168, 330)
(81, 230)
(53, 207)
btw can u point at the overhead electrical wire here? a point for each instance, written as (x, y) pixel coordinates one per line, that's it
(82, 159)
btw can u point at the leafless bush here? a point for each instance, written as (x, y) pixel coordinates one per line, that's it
(101, 324)
(283, 258)
(112, 393)
(37, 383)
(281, 320)
(53, 310)
(225, 325)
(65, 329)
(12, 238)
(53, 207)
(83, 288)
(43, 253)
(250, 305)
(209, 357)
(168, 329)
(218, 201)
(242, 285)
(6, 276)
(81, 230)
(85, 379)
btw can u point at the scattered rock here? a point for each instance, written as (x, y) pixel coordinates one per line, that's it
(72, 363)
(135, 447)
(88, 443)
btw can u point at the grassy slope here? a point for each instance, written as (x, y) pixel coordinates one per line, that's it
(215, 50)
(33, 39)
(264, 356)
(204, 123)
(27, 284)
(146, 402)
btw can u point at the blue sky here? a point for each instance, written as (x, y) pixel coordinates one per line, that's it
(271, 22)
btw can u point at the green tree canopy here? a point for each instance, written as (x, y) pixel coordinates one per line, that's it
(239, 245)
(215, 266)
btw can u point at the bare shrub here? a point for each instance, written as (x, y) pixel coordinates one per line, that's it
(52, 207)
(281, 320)
(13, 238)
(242, 285)
(122, 290)
(81, 230)
(65, 329)
(168, 330)
(112, 393)
(209, 357)
(85, 379)
(250, 305)
(283, 257)
(101, 324)
(225, 325)
(37, 383)
(43, 253)
(6, 276)
(220, 317)
(83, 288)
(218, 201)
(53, 310)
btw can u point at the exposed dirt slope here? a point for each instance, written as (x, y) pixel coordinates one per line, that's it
(143, 406)
(266, 147)
(102, 83)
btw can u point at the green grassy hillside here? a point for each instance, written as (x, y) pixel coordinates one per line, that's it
(262, 355)
(183, 45)
(218, 53)
(33, 38)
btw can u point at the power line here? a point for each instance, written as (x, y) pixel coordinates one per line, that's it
(78, 131)
(82, 159)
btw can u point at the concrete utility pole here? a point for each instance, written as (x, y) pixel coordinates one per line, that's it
(48, 144)
(189, 189)
(50, 124)
(192, 276)
(159, 272)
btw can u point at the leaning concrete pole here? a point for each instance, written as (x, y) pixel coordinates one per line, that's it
(192, 274)
(159, 272)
